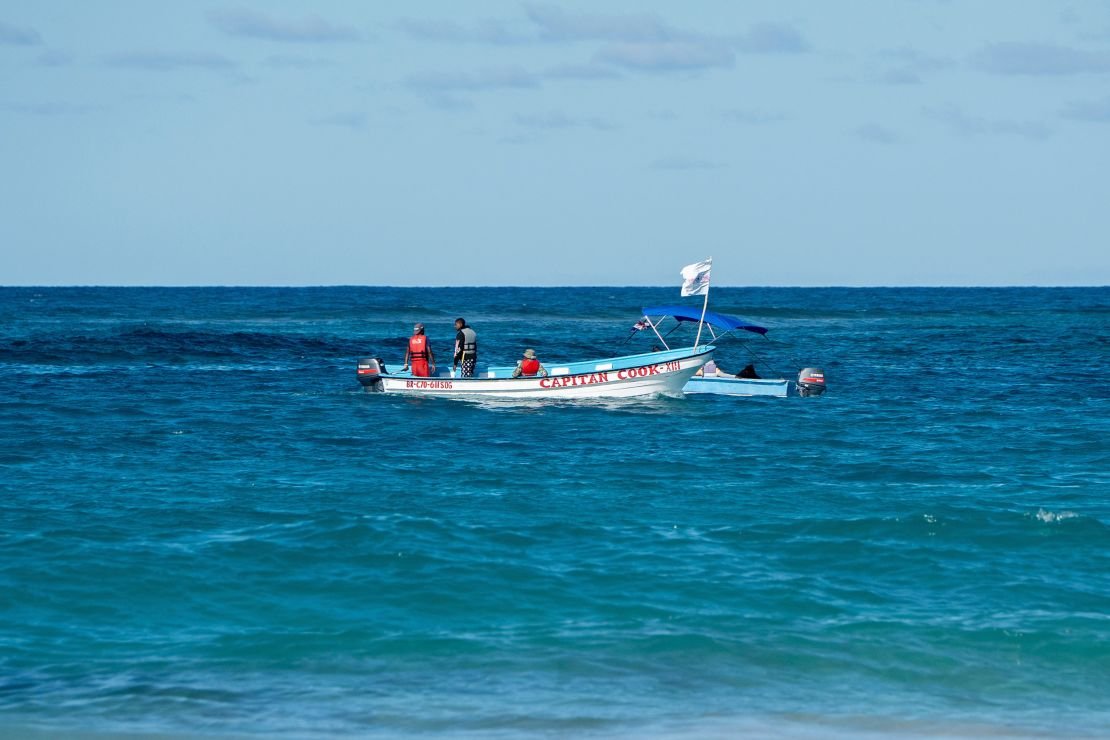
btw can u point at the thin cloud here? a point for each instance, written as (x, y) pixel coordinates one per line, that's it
(443, 90)
(915, 58)
(876, 134)
(50, 110)
(1026, 129)
(685, 164)
(308, 30)
(354, 120)
(581, 72)
(164, 61)
(772, 38)
(750, 117)
(519, 139)
(54, 58)
(899, 76)
(486, 31)
(1035, 59)
(15, 36)
(645, 42)
(553, 24)
(287, 61)
(636, 41)
(485, 79)
(1070, 16)
(558, 120)
(1100, 35)
(448, 103)
(642, 42)
(967, 125)
(761, 38)
(907, 66)
(160, 98)
(668, 56)
(556, 24)
(1094, 111)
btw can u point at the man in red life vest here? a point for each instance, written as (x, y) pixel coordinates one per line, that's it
(529, 366)
(420, 352)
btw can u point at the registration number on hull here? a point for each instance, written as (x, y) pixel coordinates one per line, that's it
(433, 384)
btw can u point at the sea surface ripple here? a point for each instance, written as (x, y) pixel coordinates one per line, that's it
(208, 528)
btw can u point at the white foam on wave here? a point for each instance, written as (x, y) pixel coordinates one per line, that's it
(1050, 517)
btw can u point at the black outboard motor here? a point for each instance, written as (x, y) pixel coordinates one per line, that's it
(370, 371)
(811, 382)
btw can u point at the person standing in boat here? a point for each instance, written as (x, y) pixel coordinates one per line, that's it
(420, 352)
(530, 366)
(466, 348)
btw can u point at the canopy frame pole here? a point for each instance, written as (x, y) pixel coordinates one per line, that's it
(661, 339)
(704, 305)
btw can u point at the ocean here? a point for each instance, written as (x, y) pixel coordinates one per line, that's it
(207, 528)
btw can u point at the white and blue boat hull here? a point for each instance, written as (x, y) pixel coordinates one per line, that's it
(777, 387)
(616, 377)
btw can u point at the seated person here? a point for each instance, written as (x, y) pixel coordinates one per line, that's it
(529, 366)
(709, 370)
(712, 370)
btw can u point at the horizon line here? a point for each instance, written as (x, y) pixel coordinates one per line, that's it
(533, 287)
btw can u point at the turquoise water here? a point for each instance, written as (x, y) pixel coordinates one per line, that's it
(206, 527)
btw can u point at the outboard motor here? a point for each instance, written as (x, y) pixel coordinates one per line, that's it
(811, 382)
(370, 371)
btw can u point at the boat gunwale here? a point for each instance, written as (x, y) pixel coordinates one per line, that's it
(572, 369)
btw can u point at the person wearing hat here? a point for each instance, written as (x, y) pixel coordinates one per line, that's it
(529, 366)
(420, 353)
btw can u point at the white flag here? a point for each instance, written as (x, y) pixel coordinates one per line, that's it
(695, 278)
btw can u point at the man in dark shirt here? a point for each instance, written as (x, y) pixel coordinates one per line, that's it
(466, 348)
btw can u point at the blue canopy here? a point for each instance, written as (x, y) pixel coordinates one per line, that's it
(719, 320)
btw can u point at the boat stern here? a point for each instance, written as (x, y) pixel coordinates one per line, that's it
(369, 373)
(811, 382)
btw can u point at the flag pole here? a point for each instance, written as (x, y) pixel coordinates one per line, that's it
(704, 305)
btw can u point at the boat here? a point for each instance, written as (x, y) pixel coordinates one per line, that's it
(810, 382)
(732, 386)
(627, 376)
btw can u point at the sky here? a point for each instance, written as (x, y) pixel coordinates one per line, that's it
(919, 142)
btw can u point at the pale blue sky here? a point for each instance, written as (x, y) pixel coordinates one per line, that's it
(447, 143)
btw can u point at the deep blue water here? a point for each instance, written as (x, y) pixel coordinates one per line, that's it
(207, 528)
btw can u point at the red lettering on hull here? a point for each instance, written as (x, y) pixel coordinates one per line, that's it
(648, 370)
(566, 381)
(570, 381)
